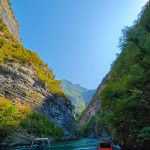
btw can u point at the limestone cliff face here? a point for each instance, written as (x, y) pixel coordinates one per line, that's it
(8, 17)
(21, 84)
(25, 78)
(93, 106)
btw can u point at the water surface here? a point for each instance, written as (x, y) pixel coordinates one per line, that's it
(82, 144)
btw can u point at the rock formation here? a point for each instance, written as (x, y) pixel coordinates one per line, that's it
(93, 106)
(8, 17)
(21, 84)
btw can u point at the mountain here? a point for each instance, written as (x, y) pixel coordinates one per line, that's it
(124, 109)
(31, 101)
(78, 95)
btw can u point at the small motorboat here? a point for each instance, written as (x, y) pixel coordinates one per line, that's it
(105, 146)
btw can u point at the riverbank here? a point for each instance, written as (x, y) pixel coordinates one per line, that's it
(25, 140)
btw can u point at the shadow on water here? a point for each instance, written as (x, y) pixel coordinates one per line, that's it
(82, 144)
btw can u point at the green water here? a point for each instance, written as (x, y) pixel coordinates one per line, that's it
(82, 144)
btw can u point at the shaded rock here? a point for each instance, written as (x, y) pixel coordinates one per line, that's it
(93, 106)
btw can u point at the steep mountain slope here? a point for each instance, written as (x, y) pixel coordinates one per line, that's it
(93, 106)
(78, 95)
(26, 81)
(124, 97)
(88, 95)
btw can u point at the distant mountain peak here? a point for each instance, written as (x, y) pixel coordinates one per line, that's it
(79, 95)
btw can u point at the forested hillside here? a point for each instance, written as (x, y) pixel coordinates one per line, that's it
(125, 96)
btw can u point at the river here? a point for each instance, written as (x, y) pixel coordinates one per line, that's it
(82, 144)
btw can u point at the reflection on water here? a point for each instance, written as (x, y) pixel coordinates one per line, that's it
(82, 144)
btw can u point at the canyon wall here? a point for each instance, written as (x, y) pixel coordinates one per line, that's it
(93, 106)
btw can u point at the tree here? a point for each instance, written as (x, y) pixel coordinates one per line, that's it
(9, 118)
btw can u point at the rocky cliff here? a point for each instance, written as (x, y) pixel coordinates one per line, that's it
(20, 83)
(26, 79)
(93, 106)
(8, 17)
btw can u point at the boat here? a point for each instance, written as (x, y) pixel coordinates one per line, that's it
(40, 144)
(105, 146)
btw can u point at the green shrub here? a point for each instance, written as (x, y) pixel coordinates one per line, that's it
(14, 118)
(41, 125)
(9, 118)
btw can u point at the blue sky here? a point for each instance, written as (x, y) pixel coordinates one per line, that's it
(77, 38)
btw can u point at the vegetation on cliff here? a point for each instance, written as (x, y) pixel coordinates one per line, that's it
(12, 51)
(124, 98)
(19, 117)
